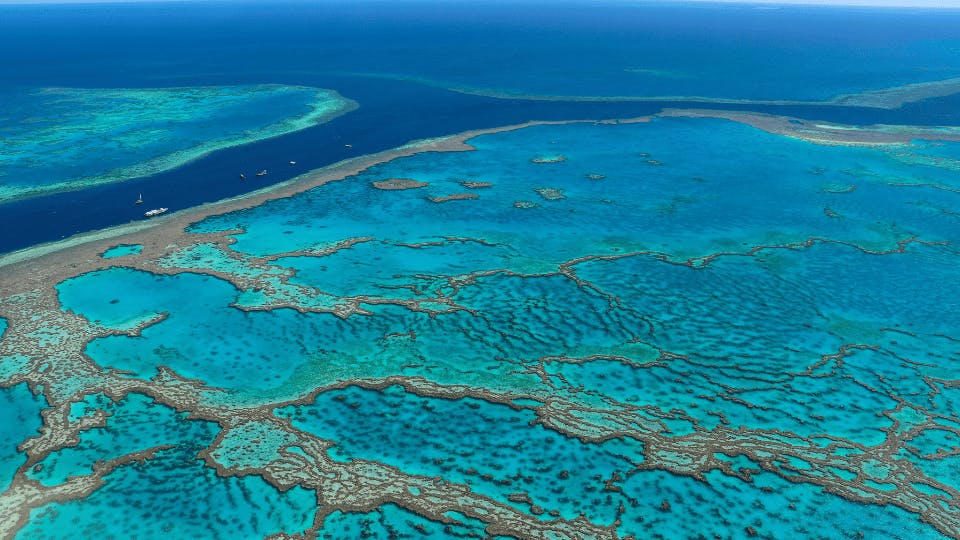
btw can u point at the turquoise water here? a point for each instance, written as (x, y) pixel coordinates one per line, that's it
(203, 337)
(122, 249)
(90, 107)
(390, 521)
(665, 189)
(133, 424)
(677, 328)
(173, 495)
(19, 420)
(685, 317)
(725, 507)
(54, 138)
(255, 355)
(479, 447)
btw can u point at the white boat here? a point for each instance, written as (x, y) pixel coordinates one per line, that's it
(262, 173)
(139, 198)
(293, 162)
(155, 212)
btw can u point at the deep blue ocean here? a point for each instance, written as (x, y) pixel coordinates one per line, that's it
(381, 53)
(694, 326)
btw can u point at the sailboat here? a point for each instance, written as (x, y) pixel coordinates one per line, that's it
(139, 199)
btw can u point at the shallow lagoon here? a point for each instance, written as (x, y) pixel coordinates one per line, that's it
(21, 419)
(676, 328)
(173, 494)
(584, 352)
(685, 188)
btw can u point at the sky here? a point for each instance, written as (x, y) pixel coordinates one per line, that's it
(883, 3)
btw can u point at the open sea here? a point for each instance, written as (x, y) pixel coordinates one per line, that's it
(708, 288)
(391, 49)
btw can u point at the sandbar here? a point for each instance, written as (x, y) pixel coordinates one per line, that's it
(823, 132)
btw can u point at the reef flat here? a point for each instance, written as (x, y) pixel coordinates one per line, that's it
(825, 133)
(659, 346)
(56, 139)
(889, 98)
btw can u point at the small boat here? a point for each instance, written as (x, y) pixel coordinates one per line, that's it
(348, 145)
(139, 199)
(293, 162)
(243, 176)
(262, 173)
(155, 212)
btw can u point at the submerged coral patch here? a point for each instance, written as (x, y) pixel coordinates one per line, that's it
(362, 361)
(149, 130)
